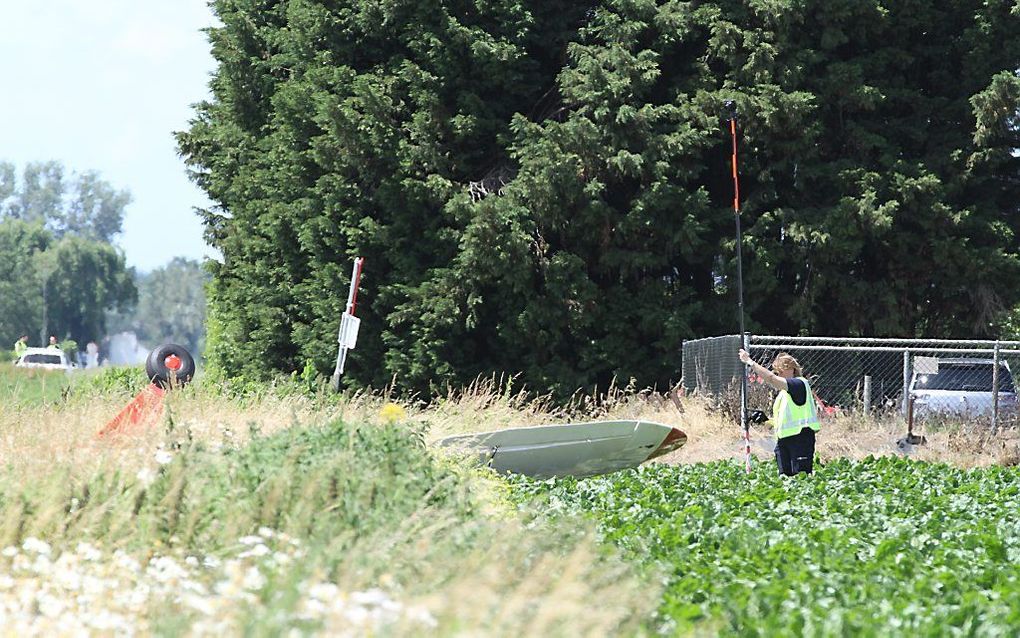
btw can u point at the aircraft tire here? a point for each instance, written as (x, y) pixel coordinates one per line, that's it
(159, 366)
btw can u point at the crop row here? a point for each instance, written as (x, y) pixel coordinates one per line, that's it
(878, 547)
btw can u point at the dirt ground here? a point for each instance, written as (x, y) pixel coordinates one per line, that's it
(712, 436)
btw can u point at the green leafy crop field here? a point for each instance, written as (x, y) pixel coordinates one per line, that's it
(878, 547)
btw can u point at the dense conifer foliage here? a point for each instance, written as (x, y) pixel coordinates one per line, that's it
(543, 188)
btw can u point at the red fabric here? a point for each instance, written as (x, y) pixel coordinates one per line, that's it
(144, 408)
(825, 410)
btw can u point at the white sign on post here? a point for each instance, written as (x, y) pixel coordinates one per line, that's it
(349, 325)
(348, 336)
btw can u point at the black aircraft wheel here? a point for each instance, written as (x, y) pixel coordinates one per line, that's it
(167, 362)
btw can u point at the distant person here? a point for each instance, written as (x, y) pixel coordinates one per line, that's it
(91, 355)
(794, 415)
(20, 346)
(53, 343)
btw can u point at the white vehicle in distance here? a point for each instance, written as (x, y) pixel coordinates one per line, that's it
(962, 388)
(45, 358)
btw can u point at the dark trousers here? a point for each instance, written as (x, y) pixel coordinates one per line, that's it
(795, 454)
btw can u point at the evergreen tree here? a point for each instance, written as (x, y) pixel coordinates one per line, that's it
(543, 188)
(875, 210)
(338, 132)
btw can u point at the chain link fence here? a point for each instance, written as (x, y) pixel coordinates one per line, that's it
(943, 378)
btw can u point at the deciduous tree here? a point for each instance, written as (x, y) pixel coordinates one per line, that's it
(171, 306)
(84, 205)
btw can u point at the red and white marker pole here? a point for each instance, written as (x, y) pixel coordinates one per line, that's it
(732, 108)
(349, 324)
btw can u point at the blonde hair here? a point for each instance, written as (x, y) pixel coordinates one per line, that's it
(784, 361)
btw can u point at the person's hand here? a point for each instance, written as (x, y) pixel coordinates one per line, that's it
(744, 357)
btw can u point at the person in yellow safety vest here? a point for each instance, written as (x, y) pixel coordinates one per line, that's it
(20, 346)
(794, 413)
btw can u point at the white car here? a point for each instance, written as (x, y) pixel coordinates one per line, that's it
(45, 358)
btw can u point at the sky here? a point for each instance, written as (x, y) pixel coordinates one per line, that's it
(102, 85)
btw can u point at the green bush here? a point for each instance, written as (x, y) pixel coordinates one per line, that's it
(111, 380)
(70, 349)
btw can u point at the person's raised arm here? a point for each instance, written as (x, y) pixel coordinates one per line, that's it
(771, 378)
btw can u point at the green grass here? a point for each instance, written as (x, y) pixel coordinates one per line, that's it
(205, 498)
(27, 386)
(875, 548)
(31, 387)
(238, 538)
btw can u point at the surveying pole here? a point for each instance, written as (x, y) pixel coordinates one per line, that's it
(731, 108)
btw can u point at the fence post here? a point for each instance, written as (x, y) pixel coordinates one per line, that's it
(995, 389)
(867, 395)
(906, 381)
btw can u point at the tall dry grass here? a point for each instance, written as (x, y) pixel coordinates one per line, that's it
(713, 433)
(74, 505)
(37, 439)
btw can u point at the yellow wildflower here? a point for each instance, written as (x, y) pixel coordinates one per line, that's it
(391, 413)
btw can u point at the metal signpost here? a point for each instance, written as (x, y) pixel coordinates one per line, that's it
(349, 325)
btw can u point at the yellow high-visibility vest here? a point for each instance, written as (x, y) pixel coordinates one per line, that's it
(789, 418)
